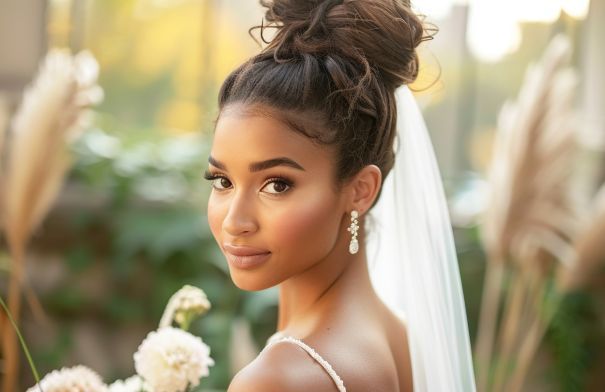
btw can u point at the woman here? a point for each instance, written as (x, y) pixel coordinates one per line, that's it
(303, 143)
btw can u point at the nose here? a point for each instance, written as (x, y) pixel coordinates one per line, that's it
(240, 218)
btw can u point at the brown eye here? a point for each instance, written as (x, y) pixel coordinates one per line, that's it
(276, 186)
(221, 183)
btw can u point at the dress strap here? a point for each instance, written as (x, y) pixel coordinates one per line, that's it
(278, 337)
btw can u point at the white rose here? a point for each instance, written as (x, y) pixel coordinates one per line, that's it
(131, 384)
(171, 360)
(75, 379)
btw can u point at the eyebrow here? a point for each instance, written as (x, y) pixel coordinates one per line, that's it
(262, 165)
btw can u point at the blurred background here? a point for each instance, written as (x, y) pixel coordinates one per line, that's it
(129, 227)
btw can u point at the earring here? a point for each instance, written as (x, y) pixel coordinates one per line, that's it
(353, 245)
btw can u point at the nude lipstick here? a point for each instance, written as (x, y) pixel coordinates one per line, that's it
(245, 257)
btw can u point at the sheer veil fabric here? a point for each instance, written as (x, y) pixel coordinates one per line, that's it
(413, 262)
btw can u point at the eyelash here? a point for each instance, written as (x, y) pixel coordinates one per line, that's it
(215, 176)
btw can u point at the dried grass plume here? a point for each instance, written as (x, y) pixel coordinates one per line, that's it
(531, 217)
(50, 115)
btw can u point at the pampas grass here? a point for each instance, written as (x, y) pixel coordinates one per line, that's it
(589, 250)
(4, 117)
(530, 219)
(3, 124)
(49, 116)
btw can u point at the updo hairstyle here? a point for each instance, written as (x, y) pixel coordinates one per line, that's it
(330, 73)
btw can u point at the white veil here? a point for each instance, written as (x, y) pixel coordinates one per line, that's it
(412, 259)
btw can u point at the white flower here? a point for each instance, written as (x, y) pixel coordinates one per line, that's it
(170, 360)
(131, 384)
(75, 379)
(188, 302)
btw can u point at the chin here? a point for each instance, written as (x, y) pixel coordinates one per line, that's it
(250, 282)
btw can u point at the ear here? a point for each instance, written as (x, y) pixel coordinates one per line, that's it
(364, 188)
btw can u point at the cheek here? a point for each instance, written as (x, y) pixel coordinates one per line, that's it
(307, 227)
(216, 214)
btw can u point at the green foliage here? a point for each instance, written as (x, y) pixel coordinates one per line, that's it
(471, 261)
(53, 355)
(79, 258)
(573, 340)
(67, 301)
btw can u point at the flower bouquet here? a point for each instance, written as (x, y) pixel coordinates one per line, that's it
(169, 359)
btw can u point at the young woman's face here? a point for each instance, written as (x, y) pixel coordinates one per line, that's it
(274, 209)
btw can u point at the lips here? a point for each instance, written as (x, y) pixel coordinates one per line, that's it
(245, 256)
(244, 250)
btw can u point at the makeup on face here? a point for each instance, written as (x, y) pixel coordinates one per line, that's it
(245, 257)
(272, 209)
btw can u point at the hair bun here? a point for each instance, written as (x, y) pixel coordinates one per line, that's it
(383, 33)
(309, 15)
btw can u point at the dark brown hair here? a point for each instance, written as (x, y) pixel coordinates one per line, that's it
(331, 72)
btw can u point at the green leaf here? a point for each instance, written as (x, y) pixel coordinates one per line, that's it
(79, 258)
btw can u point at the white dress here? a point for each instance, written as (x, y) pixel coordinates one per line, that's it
(279, 337)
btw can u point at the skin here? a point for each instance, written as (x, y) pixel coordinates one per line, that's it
(300, 215)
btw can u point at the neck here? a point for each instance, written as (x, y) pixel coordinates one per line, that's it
(335, 283)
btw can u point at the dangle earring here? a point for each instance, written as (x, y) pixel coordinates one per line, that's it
(354, 244)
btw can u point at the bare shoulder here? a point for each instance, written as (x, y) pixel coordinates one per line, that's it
(282, 367)
(398, 337)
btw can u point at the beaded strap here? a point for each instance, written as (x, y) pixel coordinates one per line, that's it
(328, 368)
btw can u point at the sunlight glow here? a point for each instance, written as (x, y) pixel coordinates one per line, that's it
(576, 8)
(493, 26)
(492, 31)
(544, 11)
(434, 9)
